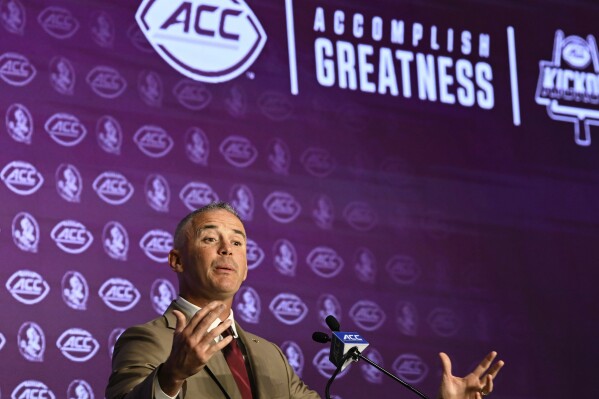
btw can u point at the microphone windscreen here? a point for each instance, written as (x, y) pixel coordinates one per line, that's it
(320, 337)
(332, 323)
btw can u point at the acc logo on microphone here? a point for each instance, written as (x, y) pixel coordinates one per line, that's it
(75, 291)
(69, 183)
(16, 70)
(109, 134)
(156, 244)
(238, 151)
(158, 193)
(294, 356)
(367, 315)
(195, 195)
(403, 269)
(444, 322)
(58, 22)
(31, 341)
(324, 366)
(288, 308)
(192, 95)
(27, 287)
(12, 17)
(113, 188)
(106, 82)
(72, 236)
(411, 368)
(360, 216)
(77, 344)
(285, 257)
(25, 232)
(226, 33)
(282, 207)
(21, 177)
(162, 294)
(325, 262)
(80, 389)
(119, 294)
(153, 141)
(65, 129)
(19, 123)
(255, 254)
(32, 389)
(115, 240)
(318, 162)
(248, 305)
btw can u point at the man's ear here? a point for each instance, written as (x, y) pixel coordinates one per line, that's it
(174, 261)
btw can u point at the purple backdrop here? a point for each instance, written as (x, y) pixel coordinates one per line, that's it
(424, 171)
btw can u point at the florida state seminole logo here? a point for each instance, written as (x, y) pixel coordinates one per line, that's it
(569, 84)
(206, 40)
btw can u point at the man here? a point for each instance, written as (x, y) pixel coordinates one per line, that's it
(188, 352)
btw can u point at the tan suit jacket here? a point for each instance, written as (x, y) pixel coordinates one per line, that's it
(141, 349)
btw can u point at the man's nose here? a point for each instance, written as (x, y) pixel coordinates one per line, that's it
(225, 248)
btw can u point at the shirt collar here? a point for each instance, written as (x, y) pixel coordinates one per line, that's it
(192, 309)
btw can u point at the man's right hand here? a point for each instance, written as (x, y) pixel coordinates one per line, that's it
(193, 346)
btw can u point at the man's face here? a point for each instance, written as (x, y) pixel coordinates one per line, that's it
(212, 259)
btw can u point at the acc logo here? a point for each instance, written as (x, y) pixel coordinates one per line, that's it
(62, 76)
(75, 291)
(403, 269)
(103, 30)
(328, 305)
(406, 318)
(444, 322)
(323, 212)
(80, 389)
(360, 216)
(365, 265)
(12, 16)
(367, 315)
(156, 244)
(25, 232)
(32, 389)
(197, 147)
(106, 82)
(109, 134)
(158, 193)
(27, 287)
(69, 182)
(153, 141)
(242, 200)
(285, 257)
(238, 151)
(162, 294)
(21, 177)
(279, 157)
(112, 338)
(77, 344)
(119, 294)
(370, 373)
(255, 254)
(195, 195)
(324, 366)
(71, 236)
(192, 95)
(318, 162)
(275, 106)
(294, 356)
(410, 367)
(65, 129)
(248, 305)
(115, 240)
(16, 70)
(288, 308)
(226, 33)
(149, 87)
(325, 262)
(570, 91)
(282, 207)
(113, 188)
(31, 341)
(19, 123)
(58, 22)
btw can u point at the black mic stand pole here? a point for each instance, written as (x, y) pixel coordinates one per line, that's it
(351, 353)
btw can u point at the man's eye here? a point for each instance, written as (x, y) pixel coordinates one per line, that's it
(237, 243)
(209, 239)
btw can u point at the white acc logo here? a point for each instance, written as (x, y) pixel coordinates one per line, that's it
(21, 177)
(288, 308)
(71, 236)
(282, 207)
(58, 22)
(77, 345)
(238, 151)
(32, 389)
(325, 262)
(153, 141)
(226, 33)
(113, 188)
(16, 70)
(27, 287)
(195, 195)
(360, 216)
(106, 82)
(65, 129)
(367, 315)
(411, 368)
(119, 294)
(156, 244)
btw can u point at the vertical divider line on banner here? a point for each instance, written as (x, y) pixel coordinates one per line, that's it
(511, 43)
(291, 47)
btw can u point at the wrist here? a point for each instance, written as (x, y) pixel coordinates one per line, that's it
(169, 382)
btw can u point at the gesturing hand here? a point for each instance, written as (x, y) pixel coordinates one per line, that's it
(475, 385)
(192, 346)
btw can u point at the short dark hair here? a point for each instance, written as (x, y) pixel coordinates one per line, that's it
(216, 205)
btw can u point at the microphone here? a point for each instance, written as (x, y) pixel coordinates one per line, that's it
(343, 342)
(332, 323)
(320, 337)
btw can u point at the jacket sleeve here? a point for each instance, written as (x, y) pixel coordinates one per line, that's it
(297, 388)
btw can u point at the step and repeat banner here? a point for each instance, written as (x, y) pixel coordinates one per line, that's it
(425, 171)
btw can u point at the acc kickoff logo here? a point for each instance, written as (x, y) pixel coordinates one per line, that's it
(192, 95)
(568, 85)
(65, 129)
(156, 244)
(288, 308)
(32, 389)
(360, 216)
(227, 34)
(367, 315)
(106, 82)
(196, 194)
(77, 344)
(403, 269)
(318, 162)
(58, 22)
(153, 141)
(27, 287)
(411, 368)
(325, 262)
(72, 236)
(16, 70)
(119, 294)
(113, 188)
(21, 177)
(238, 151)
(282, 207)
